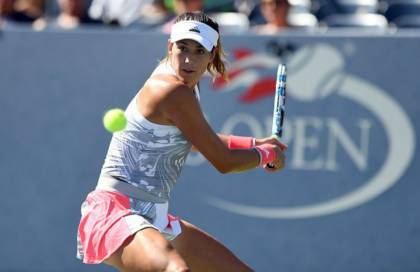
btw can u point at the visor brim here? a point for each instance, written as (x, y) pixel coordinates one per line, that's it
(195, 37)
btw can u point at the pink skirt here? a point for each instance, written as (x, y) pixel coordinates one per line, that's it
(111, 218)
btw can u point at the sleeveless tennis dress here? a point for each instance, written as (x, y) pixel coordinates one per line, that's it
(142, 165)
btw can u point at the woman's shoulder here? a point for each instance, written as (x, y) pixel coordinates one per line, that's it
(165, 84)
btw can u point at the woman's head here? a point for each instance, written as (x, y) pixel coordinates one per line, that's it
(194, 46)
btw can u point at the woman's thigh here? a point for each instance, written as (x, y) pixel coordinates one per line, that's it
(147, 251)
(203, 253)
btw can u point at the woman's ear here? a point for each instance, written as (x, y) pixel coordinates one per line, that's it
(170, 45)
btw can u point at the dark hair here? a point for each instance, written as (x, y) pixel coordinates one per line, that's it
(218, 64)
(199, 17)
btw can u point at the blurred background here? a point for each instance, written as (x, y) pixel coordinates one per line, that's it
(348, 198)
(261, 16)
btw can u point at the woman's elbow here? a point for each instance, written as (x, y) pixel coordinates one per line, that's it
(224, 168)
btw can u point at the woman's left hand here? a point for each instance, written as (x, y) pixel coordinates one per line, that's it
(271, 140)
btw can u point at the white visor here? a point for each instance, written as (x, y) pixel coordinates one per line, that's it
(193, 30)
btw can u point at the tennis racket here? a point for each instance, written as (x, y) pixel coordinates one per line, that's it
(279, 104)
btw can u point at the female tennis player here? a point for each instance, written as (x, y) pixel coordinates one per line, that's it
(125, 221)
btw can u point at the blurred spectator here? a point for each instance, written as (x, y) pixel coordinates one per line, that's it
(22, 10)
(64, 14)
(71, 14)
(155, 12)
(233, 22)
(275, 13)
(118, 12)
(245, 6)
(182, 6)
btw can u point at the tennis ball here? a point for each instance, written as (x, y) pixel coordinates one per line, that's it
(114, 120)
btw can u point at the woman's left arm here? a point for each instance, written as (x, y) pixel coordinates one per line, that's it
(257, 141)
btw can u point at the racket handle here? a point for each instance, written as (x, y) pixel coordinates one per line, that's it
(269, 165)
(277, 136)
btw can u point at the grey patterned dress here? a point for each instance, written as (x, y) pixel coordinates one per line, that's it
(147, 155)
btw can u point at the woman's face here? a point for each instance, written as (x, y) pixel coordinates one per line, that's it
(189, 59)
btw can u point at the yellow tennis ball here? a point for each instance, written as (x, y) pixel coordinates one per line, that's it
(114, 120)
